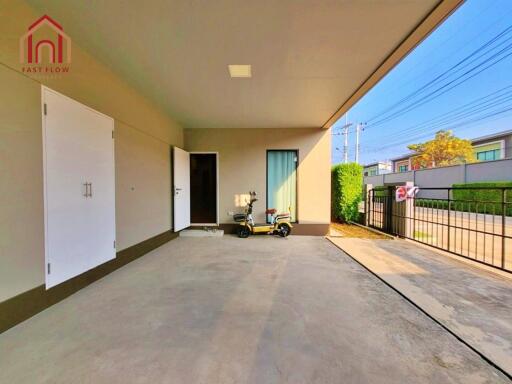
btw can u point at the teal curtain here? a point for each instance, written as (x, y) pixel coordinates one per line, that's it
(282, 181)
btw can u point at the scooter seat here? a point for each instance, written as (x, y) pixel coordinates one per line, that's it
(239, 217)
(270, 211)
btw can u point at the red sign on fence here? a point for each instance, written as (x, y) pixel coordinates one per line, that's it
(404, 192)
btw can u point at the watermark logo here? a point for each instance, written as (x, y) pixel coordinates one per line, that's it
(45, 49)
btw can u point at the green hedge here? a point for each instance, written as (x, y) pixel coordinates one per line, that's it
(381, 191)
(347, 182)
(489, 200)
(483, 200)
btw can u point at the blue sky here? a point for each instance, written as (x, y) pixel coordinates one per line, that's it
(477, 24)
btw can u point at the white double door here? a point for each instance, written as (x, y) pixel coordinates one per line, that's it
(79, 187)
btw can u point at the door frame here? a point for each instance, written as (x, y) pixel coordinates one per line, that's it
(216, 224)
(45, 177)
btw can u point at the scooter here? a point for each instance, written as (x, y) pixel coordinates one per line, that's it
(279, 223)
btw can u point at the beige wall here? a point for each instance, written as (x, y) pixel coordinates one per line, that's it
(144, 135)
(143, 138)
(143, 186)
(242, 167)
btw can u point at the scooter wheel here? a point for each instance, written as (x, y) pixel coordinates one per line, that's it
(283, 230)
(243, 231)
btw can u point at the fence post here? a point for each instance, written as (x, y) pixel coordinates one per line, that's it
(368, 188)
(409, 213)
(503, 222)
(449, 213)
(389, 210)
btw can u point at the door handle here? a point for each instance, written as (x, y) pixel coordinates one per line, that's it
(176, 190)
(88, 189)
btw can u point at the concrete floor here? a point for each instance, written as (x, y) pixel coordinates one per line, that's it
(228, 310)
(473, 303)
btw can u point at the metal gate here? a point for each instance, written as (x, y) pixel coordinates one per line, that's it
(475, 223)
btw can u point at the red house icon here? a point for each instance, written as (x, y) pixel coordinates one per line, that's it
(55, 48)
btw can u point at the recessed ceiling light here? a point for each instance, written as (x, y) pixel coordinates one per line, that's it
(239, 70)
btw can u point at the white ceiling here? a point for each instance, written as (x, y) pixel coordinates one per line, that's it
(308, 56)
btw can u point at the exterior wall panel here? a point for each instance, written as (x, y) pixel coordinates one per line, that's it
(242, 167)
(143, 138)
(499, 170)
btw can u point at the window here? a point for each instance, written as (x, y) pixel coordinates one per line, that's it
(402, 168)
(282, 181)
(373, 172)
(488, 155)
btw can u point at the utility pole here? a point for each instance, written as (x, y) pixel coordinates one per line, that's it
(345, 145)
(359, 129)
(345, 141)
(344, 131)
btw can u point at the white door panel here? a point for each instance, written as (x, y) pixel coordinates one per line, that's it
(181, 178)
(78, 149)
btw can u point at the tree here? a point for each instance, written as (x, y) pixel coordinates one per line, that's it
(445, 149)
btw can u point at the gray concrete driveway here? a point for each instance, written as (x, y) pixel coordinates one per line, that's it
(475, 304)
(228, 310)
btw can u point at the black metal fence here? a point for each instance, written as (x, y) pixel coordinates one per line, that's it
(475, 223)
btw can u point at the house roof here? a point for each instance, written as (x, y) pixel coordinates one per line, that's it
(177, 52)
(403, 157)
(497, 135)
(376, 163)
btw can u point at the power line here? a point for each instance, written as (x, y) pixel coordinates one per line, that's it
(491, 23)
(443, 76)
(437, 93)
(461, 124)
(463, 114)
(480, 104)
(429, 134)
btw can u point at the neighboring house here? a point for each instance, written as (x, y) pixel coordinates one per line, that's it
(402, 163)
(487, 148)
(378, 168)
(493, 147)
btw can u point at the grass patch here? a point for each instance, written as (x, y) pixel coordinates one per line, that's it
(421, 235)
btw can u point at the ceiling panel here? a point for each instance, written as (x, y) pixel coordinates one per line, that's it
(308, 57)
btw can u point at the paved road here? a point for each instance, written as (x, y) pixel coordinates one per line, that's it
(477, 236)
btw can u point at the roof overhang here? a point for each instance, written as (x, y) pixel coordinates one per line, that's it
(311, 60)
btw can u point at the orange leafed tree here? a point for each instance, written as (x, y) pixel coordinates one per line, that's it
(445, 149)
